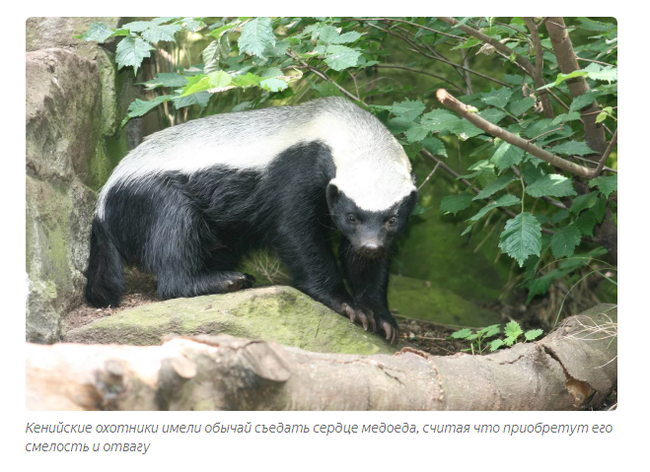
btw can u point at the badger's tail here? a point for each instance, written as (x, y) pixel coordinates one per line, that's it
(105, 280)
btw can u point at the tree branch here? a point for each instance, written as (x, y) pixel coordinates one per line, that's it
(323, 76)
(539, 67)
(567, 61)
(605, 156)
(571, 368)
(382, 66)
(457, 106)
(522, 61)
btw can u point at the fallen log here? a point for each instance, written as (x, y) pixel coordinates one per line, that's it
(571, 368)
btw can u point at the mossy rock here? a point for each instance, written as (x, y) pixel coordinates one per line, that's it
(424, 300)
(278, 313)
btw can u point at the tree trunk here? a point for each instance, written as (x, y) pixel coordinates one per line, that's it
(571, 368)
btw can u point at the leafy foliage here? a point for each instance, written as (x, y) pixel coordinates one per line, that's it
(393, 67)
(478, 339)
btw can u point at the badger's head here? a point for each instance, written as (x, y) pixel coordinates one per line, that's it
(371, 212)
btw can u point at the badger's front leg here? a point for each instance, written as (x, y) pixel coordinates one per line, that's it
(368, 279)
(314, 271)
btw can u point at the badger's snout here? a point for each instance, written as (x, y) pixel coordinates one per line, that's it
(371, 250)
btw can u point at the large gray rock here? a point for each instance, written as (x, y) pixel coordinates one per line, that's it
(73, 141)
(277, 313)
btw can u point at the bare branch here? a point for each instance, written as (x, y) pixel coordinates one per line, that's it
(324, 76)
(605, 156)
(454, 104)
(417, 71)
(429, 176)
(539, 67)
(415, 48)
(522, 61)
(398, 20)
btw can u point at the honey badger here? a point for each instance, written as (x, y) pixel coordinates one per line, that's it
(190, 201)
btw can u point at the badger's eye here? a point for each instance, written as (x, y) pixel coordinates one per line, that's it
(392, 221)
(351, 218)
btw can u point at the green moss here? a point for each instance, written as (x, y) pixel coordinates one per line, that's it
(425, 300)
(280, 314)
(108, 154)
(434, 250)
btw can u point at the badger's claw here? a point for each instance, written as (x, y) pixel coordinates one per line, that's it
(369, 320)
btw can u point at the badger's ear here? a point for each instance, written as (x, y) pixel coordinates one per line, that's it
(332, 194)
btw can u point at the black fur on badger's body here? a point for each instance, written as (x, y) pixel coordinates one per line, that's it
(192, 200)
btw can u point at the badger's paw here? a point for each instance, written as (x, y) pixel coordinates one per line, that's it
(375, 320)
(238, 281)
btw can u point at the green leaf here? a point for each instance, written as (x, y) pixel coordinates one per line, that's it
(551, 185)
(506, 155)
(540, 285)
(455, 203)
(211, 55)
(137, 26)
(583, 202)
(606, 185)
(166, 79)
(533, 334)
(565, 241)
(521, 106)
(216, 33)
(595, 71)
(593, 25)
(513, 330)
(140, 107)
(582, 101)
(131, 52)
(271, 72)
(493, 187)
(341, 57)
(502, 201)
(245, 81)
(256, 36)
(497, 98)
(573, 148)
(572, 75)
(493, 115)
(531, 173)
(588, 219)
(586, 223)
(408, 109)
(435, 146)
(200, 98)
(329, 34)
(489, 331)
(219, 79)
(97, 32)
(196, 83)
(274, 85)
(417, 133)
(522, 237)
(461, 334)
(439, 120)
(571, 116)
(156, 33)
(496, 344)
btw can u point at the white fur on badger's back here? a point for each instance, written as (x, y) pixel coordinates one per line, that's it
(371, 166)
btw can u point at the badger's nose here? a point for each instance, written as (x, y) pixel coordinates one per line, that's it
(371, 250)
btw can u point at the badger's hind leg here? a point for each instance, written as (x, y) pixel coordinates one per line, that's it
(178, 251)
